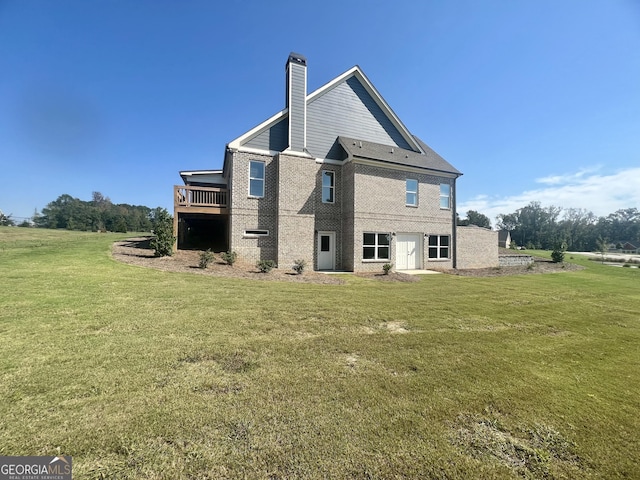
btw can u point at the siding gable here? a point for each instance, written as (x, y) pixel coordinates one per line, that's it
(347, 110)
(273, 139)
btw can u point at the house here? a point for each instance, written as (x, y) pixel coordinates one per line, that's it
(335, 179)
(504, 238)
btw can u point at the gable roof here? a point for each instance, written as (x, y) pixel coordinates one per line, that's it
(264, 129)
(429, 160)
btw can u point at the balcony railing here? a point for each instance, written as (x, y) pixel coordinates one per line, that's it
(201, 197)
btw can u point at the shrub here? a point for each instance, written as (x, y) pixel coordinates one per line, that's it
(386, 268)
(229, 257)
(206, 258)
(265, 266)
(298, 266)
(557, 255)
(162, 243)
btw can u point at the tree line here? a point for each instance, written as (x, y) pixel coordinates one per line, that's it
(98, 214)
(577, 229)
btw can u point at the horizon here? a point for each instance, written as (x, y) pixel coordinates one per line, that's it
(534, 101)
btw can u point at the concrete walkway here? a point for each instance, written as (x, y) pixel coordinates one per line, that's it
(418, 272)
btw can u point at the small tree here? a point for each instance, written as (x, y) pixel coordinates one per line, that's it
(557, 255)
(162, 243)
(602, 247)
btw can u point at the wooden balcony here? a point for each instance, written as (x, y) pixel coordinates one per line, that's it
(189, 199)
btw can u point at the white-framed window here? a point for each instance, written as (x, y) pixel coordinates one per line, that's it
(439, 246)
(445, 196)
(256, 233)
(256, 179)
(375, 246)
(412, 193)
(328, 186)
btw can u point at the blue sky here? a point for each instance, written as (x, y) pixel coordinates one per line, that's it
(532, 100)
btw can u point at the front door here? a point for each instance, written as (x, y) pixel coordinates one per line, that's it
(408, 251)
(326, 250)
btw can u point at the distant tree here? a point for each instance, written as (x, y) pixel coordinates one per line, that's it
(476, 218)
(6, 220)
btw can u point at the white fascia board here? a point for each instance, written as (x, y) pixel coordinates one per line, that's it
(403, 168)
(200, 172)
(330, 161)
(384, 106)
(268, 123)
(293, 153)
(256, 151)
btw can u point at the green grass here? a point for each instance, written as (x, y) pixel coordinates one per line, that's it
(140, 373)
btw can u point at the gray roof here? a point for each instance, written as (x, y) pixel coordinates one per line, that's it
(399, 156)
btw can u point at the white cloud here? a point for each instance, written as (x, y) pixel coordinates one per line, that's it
(599, 193)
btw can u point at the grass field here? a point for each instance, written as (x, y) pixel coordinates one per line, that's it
(139, 373)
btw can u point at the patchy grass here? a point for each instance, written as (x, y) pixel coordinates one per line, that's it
(142, 373)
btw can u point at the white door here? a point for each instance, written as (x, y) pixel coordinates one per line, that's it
(408, 253)
(326, 250)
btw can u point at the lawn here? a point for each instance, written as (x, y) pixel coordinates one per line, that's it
(140, 373)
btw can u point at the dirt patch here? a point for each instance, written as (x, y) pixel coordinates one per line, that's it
(137, 251)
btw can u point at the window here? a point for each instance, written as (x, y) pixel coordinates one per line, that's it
(445, 195)
(328, 186)
(375, 246)
(438, 246)
(412, 193)
(256, 179)
(256, 233)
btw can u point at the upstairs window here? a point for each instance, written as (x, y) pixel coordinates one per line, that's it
(438, 246)
(328, 186)
(256, 179)
(445, 196)
(412, 193)
(375, 246)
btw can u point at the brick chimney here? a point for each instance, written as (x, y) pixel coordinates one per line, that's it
(296, 101)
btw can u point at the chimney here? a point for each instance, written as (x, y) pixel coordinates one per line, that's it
(296, 101)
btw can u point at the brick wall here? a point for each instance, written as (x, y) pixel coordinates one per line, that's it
(297, 192)
(477, 247)
(380, 206)
(253, 213)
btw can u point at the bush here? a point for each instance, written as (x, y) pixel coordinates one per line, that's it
(265, 266)
(229, 257)
(557, 255)
(206, 258)
(162, 243)
(298, 266)
(386, 268)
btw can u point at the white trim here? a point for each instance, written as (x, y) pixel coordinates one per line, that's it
(199, 172)
(269, 122)
(330, 161)
(255, 151)
(294, 153)
(245, 234)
